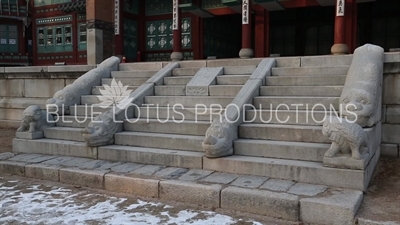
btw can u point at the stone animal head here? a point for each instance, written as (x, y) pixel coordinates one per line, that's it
(32, 114)
(359, 105)
(62, 100)
(101, 130)
(219, 138)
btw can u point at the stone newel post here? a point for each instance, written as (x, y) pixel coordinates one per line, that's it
(339, 47)
(177, 54)
(246, 51)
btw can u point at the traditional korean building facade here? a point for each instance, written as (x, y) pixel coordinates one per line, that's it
(45, 32)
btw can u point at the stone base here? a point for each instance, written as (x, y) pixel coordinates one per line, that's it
(347, 162)
(246, 53)
(29, 136)
(339, 49)
(176, 56)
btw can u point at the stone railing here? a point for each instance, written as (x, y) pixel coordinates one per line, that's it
(218, 141)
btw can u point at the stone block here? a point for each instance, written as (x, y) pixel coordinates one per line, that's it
(126, 167)
(191, 193)
(99, 165)
(43, 88)
(390, 150)
(22, 103)
(131, 185)
(277, 185)
(220, 178)
(307, 189)
(11, 114)
(278, 205)
(141, 66)
(94, 46)
(239, 70)
(347, 162)
(391, 89)
(158, 78)
(170, 173)
(32, 158)
(13, 168)
(147, 170)
(338, 208)
(75, 162)
(89, 178)
(198, 85)
(190, 71)
(6, 155)
(43, 172)
(288, 62)
(192, 64)
(25, 69)
(263, 70)
(29, 136)
(195, 174)
(331, 60)
(14, 124)
(392, 57)
(12, 87)
(393, 114)
(69, 69)
(249, 181)
(233, 62)
(58, 161)
(391, 133)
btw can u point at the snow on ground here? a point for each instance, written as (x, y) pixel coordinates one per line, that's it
(36, 203)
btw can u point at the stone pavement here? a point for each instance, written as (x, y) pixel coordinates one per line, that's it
(281, 199)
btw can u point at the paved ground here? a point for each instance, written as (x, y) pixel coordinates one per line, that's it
(6, 136)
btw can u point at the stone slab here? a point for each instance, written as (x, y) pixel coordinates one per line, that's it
(67, 68)
(249, 181)
(362, 221)
(263, 70)
(58, 161)
(390, 150)
(32, 158)
(391, 133)
(43, 172)
(6, 155)
(29, 136)
(393, 114)
(277, 185)
(288, 62)
(205, 77)
(131, 185)
(89, 178)
(191, 193)
(337, 209)
(99, 165)
(331, 60)
(43, 88)
(147, 170)
(239, 70)
(233, 62)
(307, 189)
(26, 69)
(279, 205)
(13, 168)
(158, 78)
(170, 173)
(126, 167)
(391, 89)
(347, 162)
(195, 174)
(75, 162)
(220, 178)
(12, 87)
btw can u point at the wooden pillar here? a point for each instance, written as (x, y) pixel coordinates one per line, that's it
(176, 54)
(261, 32)
(246, 51)
(119, 36)
(351, 25)
(100, 30)
(340, 47)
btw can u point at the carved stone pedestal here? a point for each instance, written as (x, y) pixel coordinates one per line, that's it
(29, 136)
(345, 161)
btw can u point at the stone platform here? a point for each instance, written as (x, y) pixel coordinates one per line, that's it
(283, 199)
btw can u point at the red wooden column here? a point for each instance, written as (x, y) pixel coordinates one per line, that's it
(340, 47)
(176, 54)
(261, 33)
(246, 51)
(351, 25)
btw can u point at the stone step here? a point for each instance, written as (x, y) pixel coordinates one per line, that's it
(239, 70)
(282, 132)
(310, 71)
(281, 149)
(178, 113)
(74, 121)
(188, 101)
(87, 110)
(165, 157)
(133, 74)
(170, 90)
(181, 80)
(96, 89)
(224, 90)
(295, 170)
(305, 80)
(159, 140)
(299, 117)
(64, 133)
(318, 91)
(308, 103)
(189, 71)
(135, 81)
(232, 79)
(169, 127)
(91, 99)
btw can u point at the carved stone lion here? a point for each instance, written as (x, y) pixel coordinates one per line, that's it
(219, 138)
(346, 138)
(35, 119)
(101, 130)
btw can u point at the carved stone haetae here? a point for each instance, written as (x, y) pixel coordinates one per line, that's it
(347, 138)
(362, 92)
(71, 94)
(101, 130)
(34, 119)
(219, 138)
